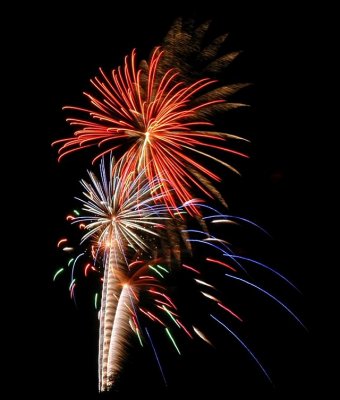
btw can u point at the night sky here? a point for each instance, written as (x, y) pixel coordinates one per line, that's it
(65, 52)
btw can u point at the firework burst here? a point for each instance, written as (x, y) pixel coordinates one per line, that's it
(119, 209)
(159, 123)
(121, 206)
(127, 313)
(155, 118)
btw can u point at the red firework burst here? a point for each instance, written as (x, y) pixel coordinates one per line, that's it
(157, 121)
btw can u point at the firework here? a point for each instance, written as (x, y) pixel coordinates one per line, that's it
(138, 278)
(154, 121)
(126, 314)
(120, 207)
(118, 210)
(155, 118)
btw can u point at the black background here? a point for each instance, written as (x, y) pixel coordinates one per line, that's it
(60, 49)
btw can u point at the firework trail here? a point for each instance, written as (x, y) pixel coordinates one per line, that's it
(119, 209)
(138, 278)
(118, 338)
(123, 221)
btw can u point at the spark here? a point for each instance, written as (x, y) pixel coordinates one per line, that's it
(156, 356)
(139, 337)
(157, 272)
(162, 302)
(74, 263)
(222, 218)
(71, 284)
(68, 249)
(57, 273)
(133, 327)
(162, 268)
(209, 296)
(244, 345)
(138, 262)
(269, 295)
(225, 221)
(86, 269)
(72, 291)
(230, 312)
(154, 318)
(264, 266)
(170, 315)
(221, 263)
(146, 313)
(163, 295)
(204, 283)
(172, 340)
(191, 268)
(185, 329)
(61, 241)
(201, 335)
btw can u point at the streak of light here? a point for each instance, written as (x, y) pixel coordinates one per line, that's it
(139, 337)
(230, 312)
(74, 263)
(68, 249)
(264, 266)
(201, 335)
(156, 270)
(135, 263)
(221, 263)
(72, 291)
(270, 295)
(209, 296)
(61, 241)
(165, 296)
(132, 326)
(245, 346)
(144, 312)
(170, 315)
(225, 221)
(57, 273)
(87, 269)
(162, 268)
(204, 283)
(155, 318)
(185, 329)
(162, 302)
(156, 356)
(71, 284)
(191, 268)
(173, 340)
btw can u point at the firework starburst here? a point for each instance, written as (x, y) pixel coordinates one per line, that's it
(156, 123)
